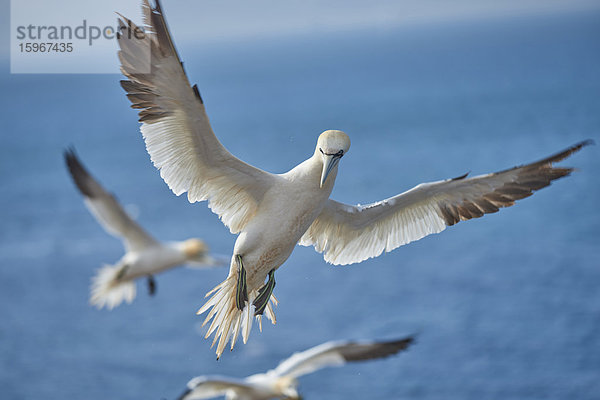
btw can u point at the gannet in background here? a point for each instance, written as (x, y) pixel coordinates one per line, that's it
(281, 382)
(274, 212)
(144, 256)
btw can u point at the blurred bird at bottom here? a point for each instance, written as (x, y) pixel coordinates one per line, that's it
(281, 382)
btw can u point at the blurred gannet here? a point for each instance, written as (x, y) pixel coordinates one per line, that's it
(281, 382)
(144, 256)
(274, 212)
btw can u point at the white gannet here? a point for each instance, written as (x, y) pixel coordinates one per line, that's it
(281, 382)
(144, 257)
(274, 212)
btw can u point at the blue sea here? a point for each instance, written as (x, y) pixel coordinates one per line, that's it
(504, 307)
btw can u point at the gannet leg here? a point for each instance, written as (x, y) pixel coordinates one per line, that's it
(241, 293)
(264, 294)
(151, 285)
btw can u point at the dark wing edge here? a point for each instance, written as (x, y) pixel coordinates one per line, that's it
(530, 178)
(357, 351)
(104, 206)
(84, 181)
(348, 234)
(140, 87)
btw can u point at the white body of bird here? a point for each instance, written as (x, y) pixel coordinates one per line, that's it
(291, 204)
(157, 258)
(288, 208)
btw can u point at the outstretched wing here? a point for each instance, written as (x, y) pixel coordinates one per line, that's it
(332, 354)
(349, 234)
(176, 129)
(206, 387)
(106, 208)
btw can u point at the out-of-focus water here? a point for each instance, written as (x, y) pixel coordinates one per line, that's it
(506, 306)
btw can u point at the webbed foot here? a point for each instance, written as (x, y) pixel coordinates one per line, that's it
(241, 294)
(151, 285)
(264, 294)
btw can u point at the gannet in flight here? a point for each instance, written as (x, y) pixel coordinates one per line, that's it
(144, 256)
(274, 212)
(281, 382)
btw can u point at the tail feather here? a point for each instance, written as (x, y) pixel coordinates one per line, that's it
(108, 291)
(227, 320)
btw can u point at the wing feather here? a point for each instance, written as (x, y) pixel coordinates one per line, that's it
(176, 128)
(349, 234)
(105, 207)
(337, 353)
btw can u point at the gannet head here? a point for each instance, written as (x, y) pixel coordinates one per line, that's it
(332, 145)
(194, 248)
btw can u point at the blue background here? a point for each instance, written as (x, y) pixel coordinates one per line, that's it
(506, 306)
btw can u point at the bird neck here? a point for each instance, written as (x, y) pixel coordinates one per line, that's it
(309, 171)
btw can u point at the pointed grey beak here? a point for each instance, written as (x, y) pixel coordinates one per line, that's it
(329, 163)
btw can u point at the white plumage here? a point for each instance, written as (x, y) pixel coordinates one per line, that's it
(144, 256)
(274, 212)
(281, 382)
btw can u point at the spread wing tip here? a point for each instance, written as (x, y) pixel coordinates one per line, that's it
(463, 176)
(565, 153)
(377, 349)
(396, 346)
(197, 92)
(81, 177)
(530, 178)
(143, 86)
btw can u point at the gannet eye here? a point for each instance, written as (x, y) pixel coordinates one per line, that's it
(339, 154)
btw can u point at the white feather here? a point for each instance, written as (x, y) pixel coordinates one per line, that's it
(107, 291)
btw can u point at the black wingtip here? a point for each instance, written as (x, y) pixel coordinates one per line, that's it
(70, 149)
(81, 177)
(458, 178)
(121, 20)
(157, 7)
(561, 155)
(71, 159)
(578, 146)
(404, 343)
(197, 92)
(573, 149)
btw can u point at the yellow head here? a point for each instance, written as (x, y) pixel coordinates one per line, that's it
(194, 248)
